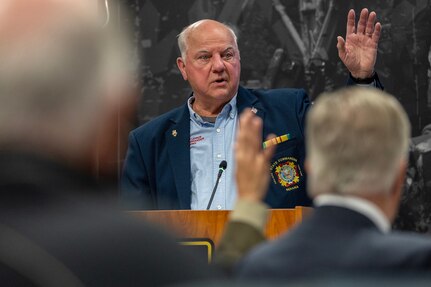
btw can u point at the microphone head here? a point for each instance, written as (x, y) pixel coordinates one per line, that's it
(223, 165)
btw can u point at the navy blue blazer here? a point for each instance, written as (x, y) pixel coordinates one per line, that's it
(156, 173)
(336, 241)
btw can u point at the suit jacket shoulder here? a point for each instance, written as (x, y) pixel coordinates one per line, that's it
(335, 239)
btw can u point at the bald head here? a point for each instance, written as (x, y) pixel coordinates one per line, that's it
(200, 28)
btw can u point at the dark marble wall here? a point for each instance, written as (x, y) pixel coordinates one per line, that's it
(272, 58)
(415, 208)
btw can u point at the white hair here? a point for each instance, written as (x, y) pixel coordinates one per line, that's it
(54, 66)
(183, 36)
(356, 140)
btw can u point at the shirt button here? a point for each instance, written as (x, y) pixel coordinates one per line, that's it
(219, 155)
(218, 130)
(219, 206)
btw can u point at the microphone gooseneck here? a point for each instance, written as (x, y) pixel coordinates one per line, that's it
(222, 166)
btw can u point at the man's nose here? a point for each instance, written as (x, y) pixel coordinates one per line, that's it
(217, 64)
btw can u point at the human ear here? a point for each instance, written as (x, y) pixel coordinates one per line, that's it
(182, 67)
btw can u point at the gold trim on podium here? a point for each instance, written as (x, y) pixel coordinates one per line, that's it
(205, 242)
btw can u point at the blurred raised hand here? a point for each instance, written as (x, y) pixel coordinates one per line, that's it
(252, 161)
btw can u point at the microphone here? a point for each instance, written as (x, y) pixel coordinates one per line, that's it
(222, 166)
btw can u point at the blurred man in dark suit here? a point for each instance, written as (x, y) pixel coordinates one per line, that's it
(63, 82)
(357, 143)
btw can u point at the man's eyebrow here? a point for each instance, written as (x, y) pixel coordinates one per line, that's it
(228, 49)
(202, 51)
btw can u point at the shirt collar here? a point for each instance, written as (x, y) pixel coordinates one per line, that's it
(229, 110)
(362, 206)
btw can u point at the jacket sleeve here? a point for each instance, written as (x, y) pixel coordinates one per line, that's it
(135, 192)
(238, 239)
(244, 230)
(375, 82)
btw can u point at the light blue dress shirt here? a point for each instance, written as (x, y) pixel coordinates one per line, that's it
(210, 144)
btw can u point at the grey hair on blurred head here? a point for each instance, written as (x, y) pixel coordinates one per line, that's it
(56, 62)
(356, 139)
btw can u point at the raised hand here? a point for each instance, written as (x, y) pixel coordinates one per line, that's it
(252, 162)
(358, 51)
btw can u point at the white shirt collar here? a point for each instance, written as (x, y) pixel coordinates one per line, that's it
(230, 109)
(362, 206)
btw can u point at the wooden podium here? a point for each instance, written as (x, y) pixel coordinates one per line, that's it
(210, 224)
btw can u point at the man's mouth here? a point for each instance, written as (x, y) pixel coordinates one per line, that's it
(220, 81)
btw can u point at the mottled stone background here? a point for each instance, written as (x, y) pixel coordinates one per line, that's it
(270, 58)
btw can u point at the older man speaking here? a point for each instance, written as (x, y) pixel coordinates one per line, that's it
(173, 161)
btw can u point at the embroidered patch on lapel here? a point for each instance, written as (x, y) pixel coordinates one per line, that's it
(286, 172)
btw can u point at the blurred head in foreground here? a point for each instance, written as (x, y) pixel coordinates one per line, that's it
(357, 141)
(64, 81)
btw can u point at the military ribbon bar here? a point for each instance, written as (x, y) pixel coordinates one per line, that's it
(276, 140)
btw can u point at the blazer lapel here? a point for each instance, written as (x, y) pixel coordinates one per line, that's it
(178, 139)
(246, 99)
